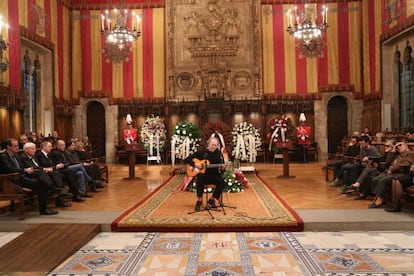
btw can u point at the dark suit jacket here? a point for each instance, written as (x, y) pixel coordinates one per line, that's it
(7, 165)
(27, 162)
(48, 161)
(59, 156)
(45, 161)
(26, 180)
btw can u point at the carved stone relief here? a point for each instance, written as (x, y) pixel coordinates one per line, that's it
(212, 49)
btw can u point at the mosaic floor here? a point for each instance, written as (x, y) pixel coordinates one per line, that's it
(300, 253)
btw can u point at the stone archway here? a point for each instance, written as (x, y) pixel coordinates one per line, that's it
(80, 123)
(353, 115)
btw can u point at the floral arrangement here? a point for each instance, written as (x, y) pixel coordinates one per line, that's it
(246, 142)
(234, 180)
(185, 140)
(210, 128)
(153, 134)
(281, 130)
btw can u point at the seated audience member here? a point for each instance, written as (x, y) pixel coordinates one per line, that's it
(86, 157)
(399, 170)
(409, 136)
(28, 159)
(351, 151)
(34, 138)
(363, 183)
(29, 177)
(351, 171)
(59, 155)
(69, 175)
(54, 137)
(23, 139)
(366, 132)
(397, 191)
(91, 168)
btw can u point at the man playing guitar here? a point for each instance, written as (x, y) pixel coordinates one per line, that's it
(209, 169)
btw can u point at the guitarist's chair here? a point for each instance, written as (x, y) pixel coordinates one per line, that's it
(208, 189)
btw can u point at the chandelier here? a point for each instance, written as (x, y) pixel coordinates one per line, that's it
(118, 35)
(4, 62)
(308, 33)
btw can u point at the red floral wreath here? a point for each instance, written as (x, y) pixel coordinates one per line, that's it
(208, 129)
(281, 129)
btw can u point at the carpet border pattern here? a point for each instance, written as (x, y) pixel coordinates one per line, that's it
(138, 218)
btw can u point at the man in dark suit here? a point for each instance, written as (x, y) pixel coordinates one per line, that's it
(59, 155)
(28, 159)
(70, 175)
(29, 177)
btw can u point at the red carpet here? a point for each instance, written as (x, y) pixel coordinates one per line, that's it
(258, 208)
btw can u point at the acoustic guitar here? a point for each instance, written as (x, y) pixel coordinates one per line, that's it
(205, 164)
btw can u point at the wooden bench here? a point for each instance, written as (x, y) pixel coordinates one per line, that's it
(12, 192)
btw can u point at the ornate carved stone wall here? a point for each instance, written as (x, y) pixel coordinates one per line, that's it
(213, 49)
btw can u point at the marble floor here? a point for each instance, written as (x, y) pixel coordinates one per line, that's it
(265, 253)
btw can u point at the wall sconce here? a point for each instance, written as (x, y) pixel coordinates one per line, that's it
(4, 62)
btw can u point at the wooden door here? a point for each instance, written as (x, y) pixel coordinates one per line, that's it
(337, 123)
(96, 127)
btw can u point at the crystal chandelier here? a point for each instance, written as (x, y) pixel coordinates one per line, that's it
(308, 33)
(118, 35)
(4, 62)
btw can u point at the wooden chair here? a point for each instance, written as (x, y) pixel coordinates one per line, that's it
(103, 167)
(12, 192)
(410, 191)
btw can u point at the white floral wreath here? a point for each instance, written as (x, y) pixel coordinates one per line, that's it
(153, 135)
(247, 142)
(185, 140)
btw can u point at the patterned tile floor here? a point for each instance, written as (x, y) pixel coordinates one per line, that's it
(300, 253)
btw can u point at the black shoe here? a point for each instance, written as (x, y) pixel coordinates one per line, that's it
(61, 203)
(49, 212)
(393, 209)
(197, 206)
(348, 190)
(360, 197)
(100, 185)
(374, 206)
(212, 203)
(77, 199)
(86, 195)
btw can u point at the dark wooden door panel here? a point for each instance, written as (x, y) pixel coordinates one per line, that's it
(337, 123)
(96, 127)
